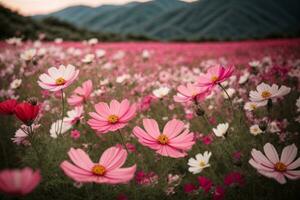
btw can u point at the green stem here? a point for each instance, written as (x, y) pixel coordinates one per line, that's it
(62, 112)
(229, 98)
(123, 141)
(33, 144)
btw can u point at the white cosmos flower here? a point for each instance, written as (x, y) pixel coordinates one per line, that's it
(88, 58)
(28, 55)
(14, 41)
(15, 84)
(243, 79)
(273, 128)
(74, 115)
(255, 130)
(255, 63)
(221, 129)
(230, 92)
(119, 55)
(250, 106)
(161, 92)
(145, 54)
(122, 78)
(100, 53)
(58, 40)
(264, 92)
(92, 41)
(201, 162)
(55, 128)
(298, 104)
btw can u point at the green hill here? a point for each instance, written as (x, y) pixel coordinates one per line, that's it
(200, 20)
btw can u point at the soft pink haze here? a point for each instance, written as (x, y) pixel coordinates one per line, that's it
(33, 7)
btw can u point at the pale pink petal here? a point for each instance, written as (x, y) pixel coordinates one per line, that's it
(271, 153)
(288, 154)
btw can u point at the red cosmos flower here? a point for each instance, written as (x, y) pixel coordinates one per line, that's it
(219, 193)
(27, 112)
(205, 183)
(7, 107)
(189, 187)
(234, 178)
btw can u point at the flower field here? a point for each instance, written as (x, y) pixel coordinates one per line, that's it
(92, 120)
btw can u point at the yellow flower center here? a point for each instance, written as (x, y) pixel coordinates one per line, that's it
(255, 130)
(60, 81)
(214, 78)
(112, 119)
(163, 139)
(266, 94)
(98, 170)
(280, 167)
(253, 106)
(202, 164)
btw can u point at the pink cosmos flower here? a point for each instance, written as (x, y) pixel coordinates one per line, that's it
(214, 76)
(273, 167)
(111, 117)
(174, 141)
(19, 182)
(107, 170)
(190, 93)
(58, 78)
(81, 94)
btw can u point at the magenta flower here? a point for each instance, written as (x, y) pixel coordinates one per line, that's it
(234, 178)
(81, 94)
(205, 183)
(273, 167)
(19, 182)
(189, 187)
(174, 141)
(113, 117)
(219, 193)
(215, 75)
(58, 78)
(107, 170)
(75, 134)
(190, 93)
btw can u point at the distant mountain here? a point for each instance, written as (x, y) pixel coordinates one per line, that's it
(14, 24)
(200, 20)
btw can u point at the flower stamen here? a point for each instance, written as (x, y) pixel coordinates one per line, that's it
(280, 167)
(99, 170)
(112, 119)
(214, 78)
(60, 81)
(266, 94)
(163, 139)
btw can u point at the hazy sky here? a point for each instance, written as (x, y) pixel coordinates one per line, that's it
(32, 7)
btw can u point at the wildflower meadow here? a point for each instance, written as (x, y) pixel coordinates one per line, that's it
(147, 120)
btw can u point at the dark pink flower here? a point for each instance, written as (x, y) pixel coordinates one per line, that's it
(189, 187)
(205, 183)
(219, 193)
(234, 179)
(7, 107)
(75, 134)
